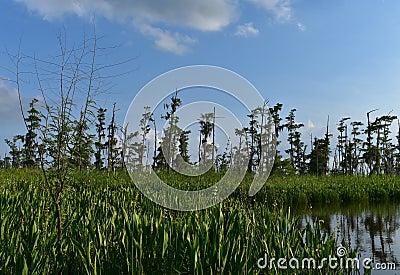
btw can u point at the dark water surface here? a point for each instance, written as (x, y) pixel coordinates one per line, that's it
(374, 228)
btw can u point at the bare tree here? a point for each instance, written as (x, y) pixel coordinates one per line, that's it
(69, 84)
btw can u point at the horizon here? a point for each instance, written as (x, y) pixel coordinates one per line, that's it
(323, 59)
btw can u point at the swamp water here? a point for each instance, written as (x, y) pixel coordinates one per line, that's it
(374, 228)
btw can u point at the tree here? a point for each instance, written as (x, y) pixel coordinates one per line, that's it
(100, 144)
(15, 150)
(276, 119)
(384, 148)
(254, 141)
(31, 145)
(280, 166)
(342, 145)
(368, 147)
(82, 150)
(76, 73)
(265, 138)
(183, 147)
(145, 129)
(379, 155)
(239, 153)
(159, 162)
(136, 142)
(206, 129)
(355, 147)
(319, 157)
(223, 161)
(111, 143)
(153, 120)
(69, 84)
(296, 150)
(171, 134)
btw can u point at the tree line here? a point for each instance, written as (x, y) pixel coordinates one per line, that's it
(359, 149)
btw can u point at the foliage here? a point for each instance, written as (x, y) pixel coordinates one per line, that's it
(110, 228)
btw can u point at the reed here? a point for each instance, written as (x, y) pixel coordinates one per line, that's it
(110, 228)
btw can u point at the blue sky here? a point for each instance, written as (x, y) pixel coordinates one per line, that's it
(337, 58)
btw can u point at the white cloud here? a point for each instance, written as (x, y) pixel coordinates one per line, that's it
(167, 41)
(301, 26)
(205, 15)
(149, 15)
(246, 30)
(282, 9)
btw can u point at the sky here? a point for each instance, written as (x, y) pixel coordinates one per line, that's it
(324, 58)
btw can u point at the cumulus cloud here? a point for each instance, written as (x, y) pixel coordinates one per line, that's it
(282, 9)
(205, 15)
(246, 30)
(149, 15)
(167, 41)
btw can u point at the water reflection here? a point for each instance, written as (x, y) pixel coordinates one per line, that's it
(372, 227)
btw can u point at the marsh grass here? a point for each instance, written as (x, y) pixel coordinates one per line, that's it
(110, 228)
(310, 190)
